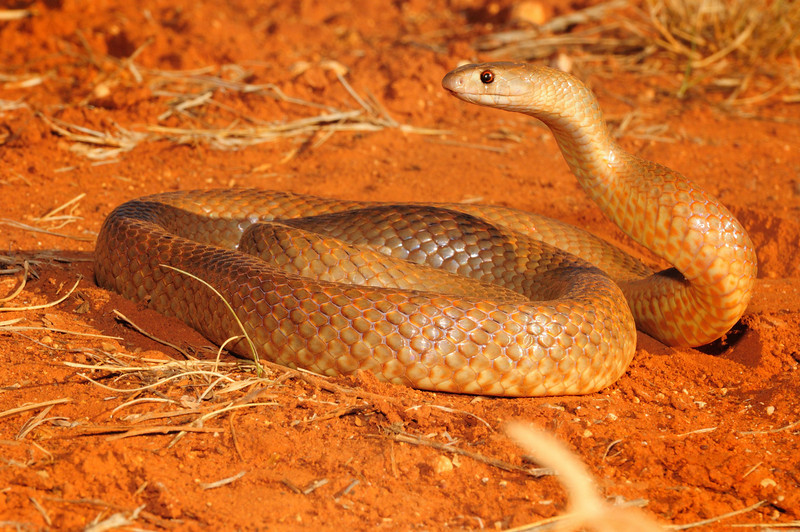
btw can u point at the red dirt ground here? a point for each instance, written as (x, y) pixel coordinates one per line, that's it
(690, 433)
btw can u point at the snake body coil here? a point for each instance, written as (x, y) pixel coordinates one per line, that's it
(450, 297)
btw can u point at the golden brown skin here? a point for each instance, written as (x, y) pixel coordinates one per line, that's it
(473, 299)
(714, 261)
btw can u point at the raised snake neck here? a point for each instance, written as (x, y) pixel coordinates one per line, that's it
(533, 319)
(713, 258)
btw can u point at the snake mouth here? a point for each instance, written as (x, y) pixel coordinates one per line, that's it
(459, 85)
(460, 95)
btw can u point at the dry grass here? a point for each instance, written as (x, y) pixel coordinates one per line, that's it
(746, 49)
(28, 407)
(188, 92)
(50, 222)
(206, 105)
(19, 267)
(191, 392)
(725, 43)
(36, 307)
(705, 32)
(96, 145)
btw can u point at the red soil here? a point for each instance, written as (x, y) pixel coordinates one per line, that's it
(695, 432)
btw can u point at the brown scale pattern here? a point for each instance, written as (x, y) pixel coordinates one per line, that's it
(458, 298)
(492, 341)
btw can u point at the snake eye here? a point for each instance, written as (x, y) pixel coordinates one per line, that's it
(487, 76)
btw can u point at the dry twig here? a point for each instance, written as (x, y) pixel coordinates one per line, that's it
(586, 510)
(26, 408)
(15, 14)
(400, 436)
(44, 305)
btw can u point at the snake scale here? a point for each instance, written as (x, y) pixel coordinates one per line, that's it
(450, 297)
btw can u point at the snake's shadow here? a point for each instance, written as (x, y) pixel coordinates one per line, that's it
(741, 344)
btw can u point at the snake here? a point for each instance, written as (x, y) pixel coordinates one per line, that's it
(450, 297)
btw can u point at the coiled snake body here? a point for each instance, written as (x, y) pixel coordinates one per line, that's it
(471, 299)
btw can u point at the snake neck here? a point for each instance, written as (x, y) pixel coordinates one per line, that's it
(590, 153)
(669, 215)
(597, 161)
(571, 111)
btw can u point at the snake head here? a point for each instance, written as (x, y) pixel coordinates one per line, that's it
(536, 90)
(489, 84)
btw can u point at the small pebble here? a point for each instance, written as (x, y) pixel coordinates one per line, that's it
(530, 12)
(443, 465)
(562, 62)
(102, 90)
(108, 346)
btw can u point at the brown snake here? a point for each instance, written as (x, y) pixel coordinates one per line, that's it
(529, 317)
